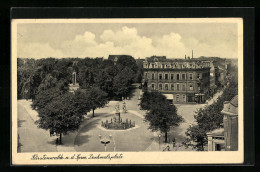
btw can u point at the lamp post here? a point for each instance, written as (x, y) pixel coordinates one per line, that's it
(104, 141)
(159, 136)
(110, 136)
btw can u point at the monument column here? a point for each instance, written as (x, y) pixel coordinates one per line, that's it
(74, 78)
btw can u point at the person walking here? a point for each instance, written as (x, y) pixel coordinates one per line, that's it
(173, 143)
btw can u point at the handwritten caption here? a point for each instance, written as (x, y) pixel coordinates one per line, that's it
(77, 157)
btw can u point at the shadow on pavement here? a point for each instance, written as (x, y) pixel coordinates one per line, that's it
(81, 139)
(20, 122)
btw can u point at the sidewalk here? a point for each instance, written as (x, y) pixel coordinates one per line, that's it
(32, 138)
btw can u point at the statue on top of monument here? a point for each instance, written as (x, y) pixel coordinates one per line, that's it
(117, 107)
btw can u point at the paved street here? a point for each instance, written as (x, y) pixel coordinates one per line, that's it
(86, 138)
(32, 138)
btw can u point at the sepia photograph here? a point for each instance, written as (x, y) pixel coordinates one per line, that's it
(127, 91)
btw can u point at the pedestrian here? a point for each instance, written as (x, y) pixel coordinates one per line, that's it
(173, 142)
(168, 147)
(57, 142)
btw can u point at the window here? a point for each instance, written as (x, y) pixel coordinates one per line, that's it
(160, 76)
(178, 76)
(191, 76)
(191, 87)
(148, 75)
(160, 86)
(146, 65)
(172, 86)
(152, 76)
(198, 85)
(153, 87)
(172, 76)
(177, 98)
(178, 87)
(183, 87)
(152, 65)
(166, 86)
(166, 76)
(162, 65)
(183, 76)
(145, 75)
(198, 76)
(184, 98)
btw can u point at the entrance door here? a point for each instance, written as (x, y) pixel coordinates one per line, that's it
(218, 147)
(190, 99)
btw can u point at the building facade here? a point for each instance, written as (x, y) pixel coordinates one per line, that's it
(226, 139)
(180, 80)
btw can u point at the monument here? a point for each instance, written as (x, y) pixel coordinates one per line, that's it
(116, 122)
(74, 86)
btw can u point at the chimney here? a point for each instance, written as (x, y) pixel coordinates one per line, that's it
(192, 54)
(185, 56)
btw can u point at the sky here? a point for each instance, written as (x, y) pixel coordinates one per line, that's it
(174, 40)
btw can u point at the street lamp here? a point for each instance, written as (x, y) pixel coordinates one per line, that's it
(104, 141)
(110, 136)
(159, 136)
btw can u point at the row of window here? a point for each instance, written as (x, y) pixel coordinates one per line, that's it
(178, 98)
(190, 65)
(177, 87)
(172, 76)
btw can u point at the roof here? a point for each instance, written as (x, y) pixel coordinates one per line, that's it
(115, 57)
(234, 101)
(217, 132)
(231, 107)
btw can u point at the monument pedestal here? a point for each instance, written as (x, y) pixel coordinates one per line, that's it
(118, 116)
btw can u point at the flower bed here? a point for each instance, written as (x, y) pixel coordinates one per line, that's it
(116, 124)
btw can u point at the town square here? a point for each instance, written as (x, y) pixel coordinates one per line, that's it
(102, 88)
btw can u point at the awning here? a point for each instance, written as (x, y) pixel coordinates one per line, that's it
(199, 94)
(168, 96)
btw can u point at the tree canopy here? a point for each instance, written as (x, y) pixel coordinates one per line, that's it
(60, 115)
(160, 114)
(96, 98)
(114, 79)
(210, 117)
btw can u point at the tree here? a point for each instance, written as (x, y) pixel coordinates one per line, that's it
(122, 82)
(126, 61)
(46, 95)
(96, 98)
(149, 99)
(62, 114)
(160, 114)
(210, 117)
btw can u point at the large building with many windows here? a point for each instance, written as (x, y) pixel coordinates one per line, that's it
(180, 80)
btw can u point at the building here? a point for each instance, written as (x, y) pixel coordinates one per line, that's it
(230, 120)
(114, 58)
(180, 80)
(226, 139)
(74, 86)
